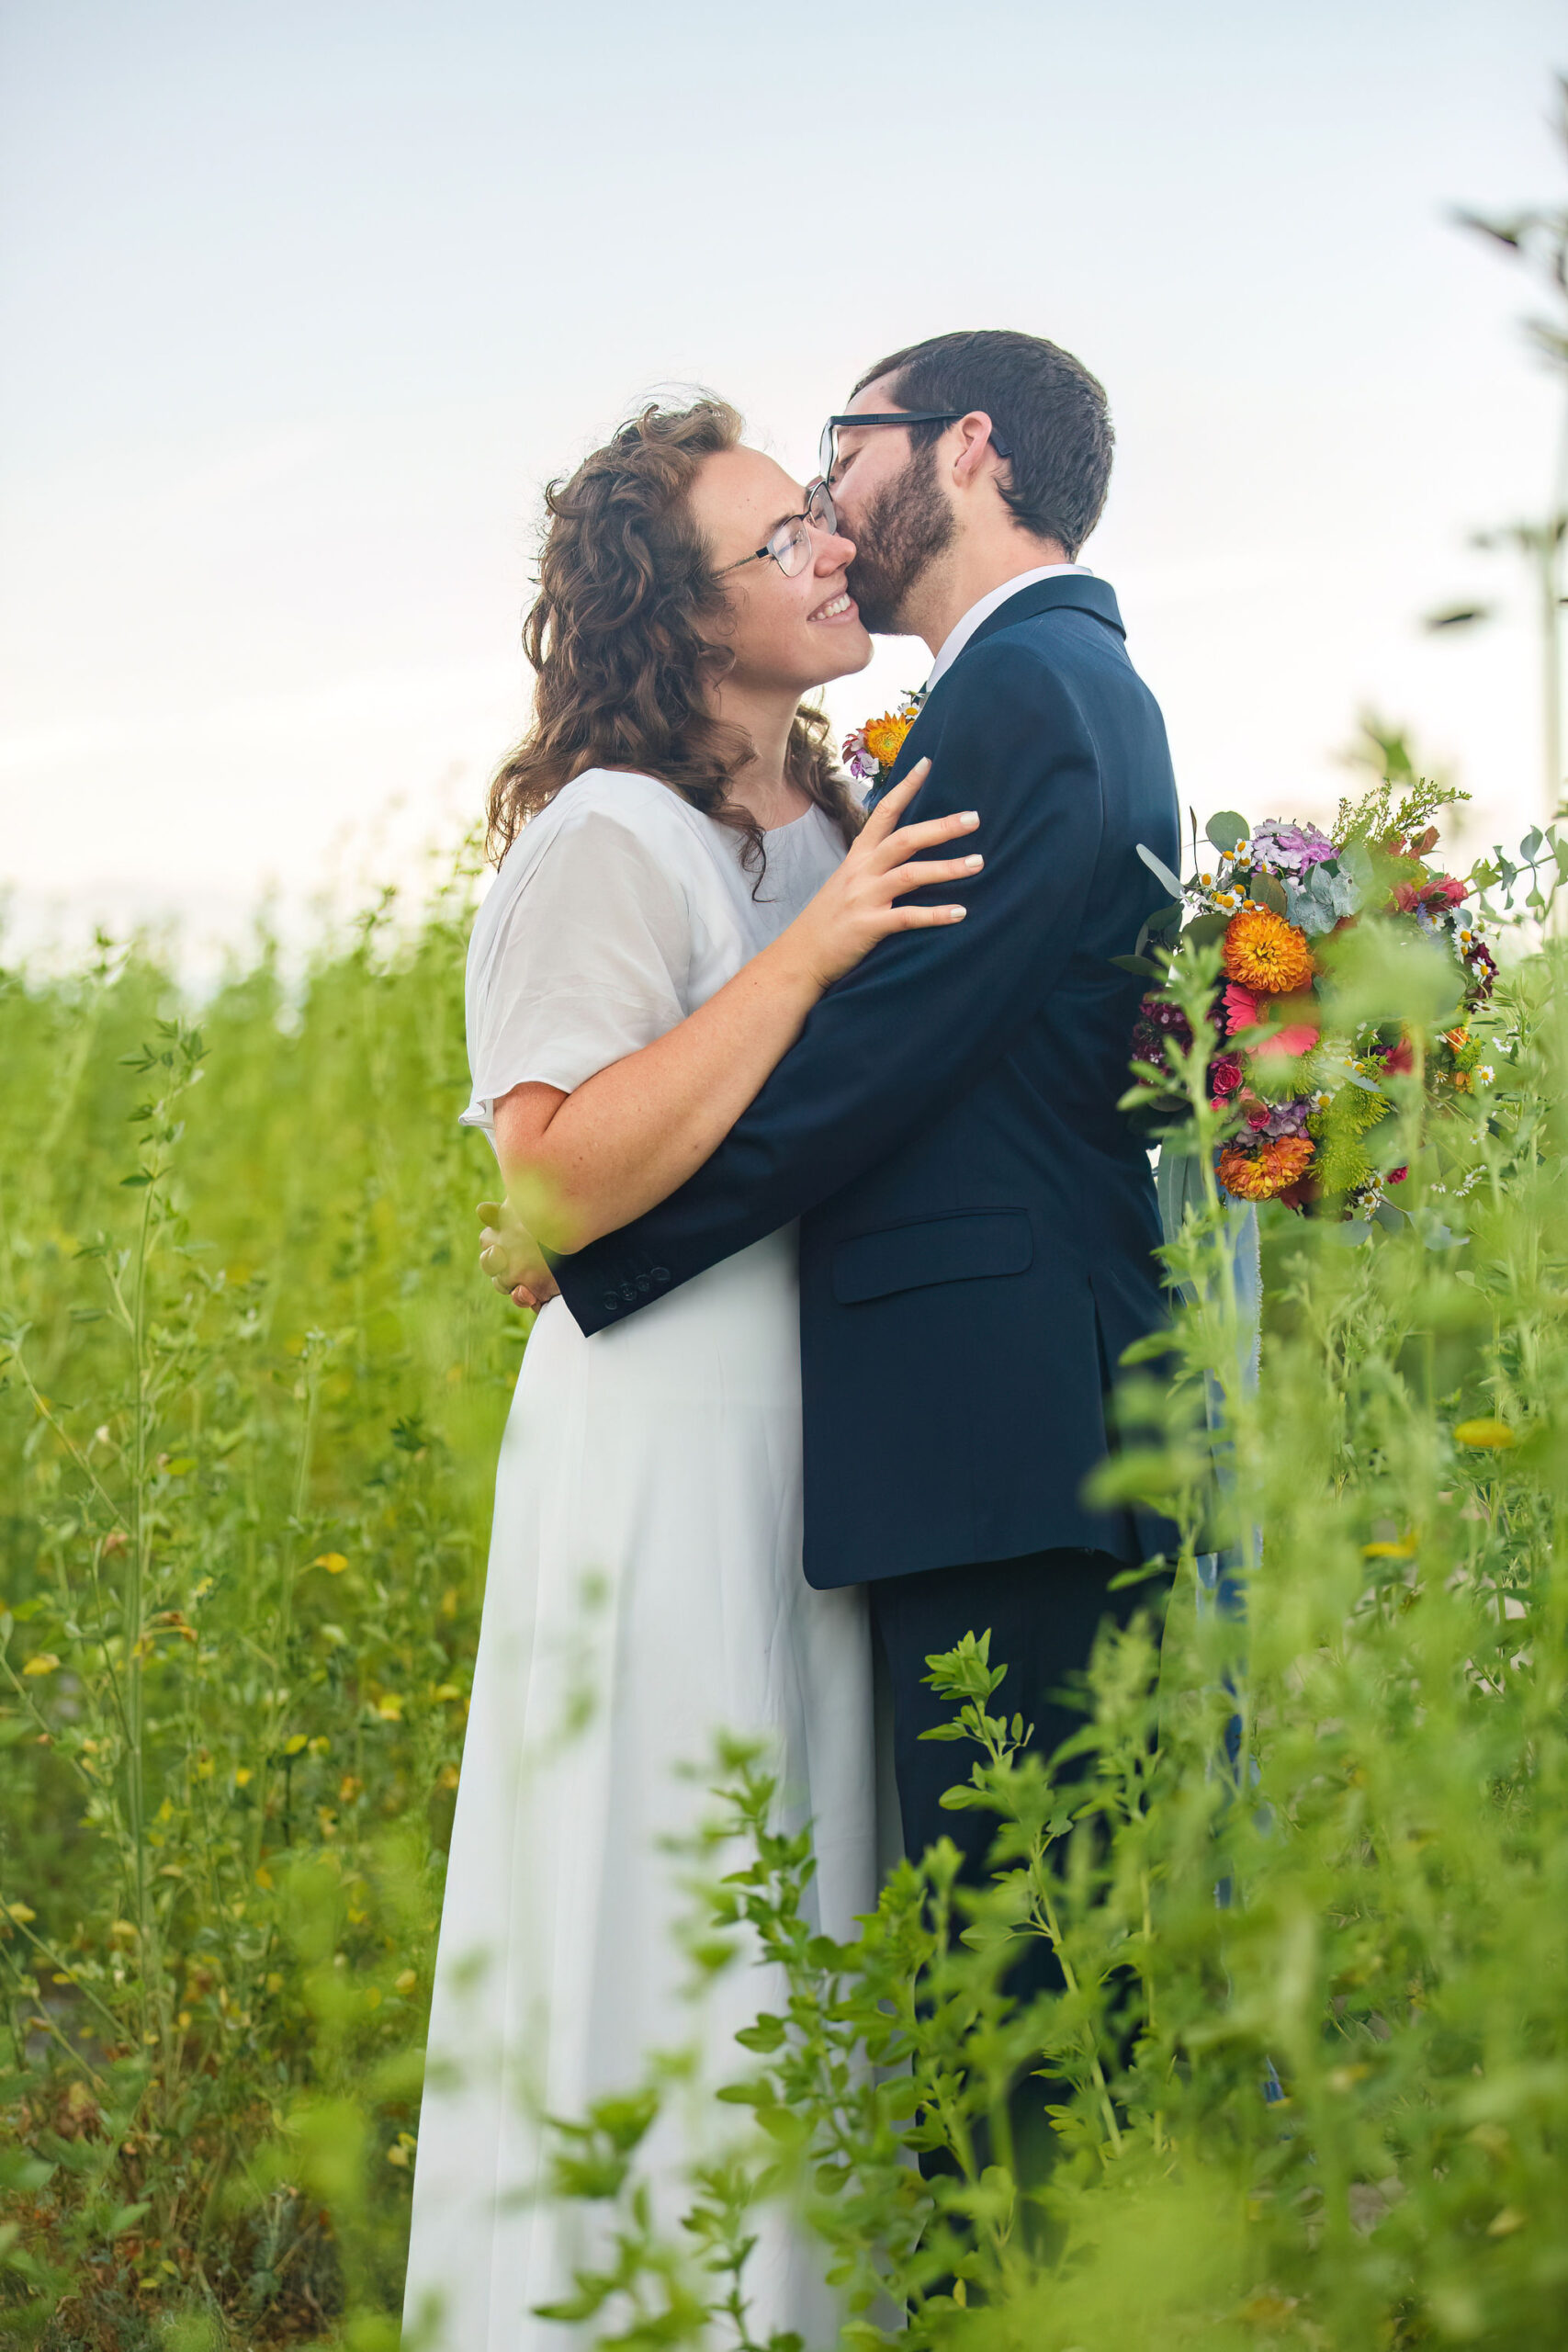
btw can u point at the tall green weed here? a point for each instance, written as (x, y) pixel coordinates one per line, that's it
(251, 1396)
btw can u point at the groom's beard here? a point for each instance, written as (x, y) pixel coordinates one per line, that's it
(906, 526)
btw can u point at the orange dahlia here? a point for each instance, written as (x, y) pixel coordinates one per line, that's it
(1258, 1176)
(1266, 954)
(884, 736)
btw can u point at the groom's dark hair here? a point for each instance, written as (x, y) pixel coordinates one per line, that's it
(1050, 414)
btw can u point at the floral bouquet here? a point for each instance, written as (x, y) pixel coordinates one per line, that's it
(1308, 1093)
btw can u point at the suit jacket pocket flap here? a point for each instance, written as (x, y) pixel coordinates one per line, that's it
(939, 1250)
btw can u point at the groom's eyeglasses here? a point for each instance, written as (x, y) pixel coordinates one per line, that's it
(790, 545)
(828, 453)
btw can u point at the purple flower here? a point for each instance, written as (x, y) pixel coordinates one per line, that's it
(1295, 848)
(1288, 1118)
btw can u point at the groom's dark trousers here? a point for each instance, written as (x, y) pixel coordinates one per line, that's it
(977, 1221)
(1042, 1613)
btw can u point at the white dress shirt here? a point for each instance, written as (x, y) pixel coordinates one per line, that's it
(958, 636)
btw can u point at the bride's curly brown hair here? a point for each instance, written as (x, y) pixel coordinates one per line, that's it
(626, 635)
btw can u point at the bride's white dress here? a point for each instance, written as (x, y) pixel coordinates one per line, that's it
(645, 1592)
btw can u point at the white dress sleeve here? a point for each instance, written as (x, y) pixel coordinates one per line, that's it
(580, 956)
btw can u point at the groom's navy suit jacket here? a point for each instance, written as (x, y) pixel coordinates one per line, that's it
(977, 1218)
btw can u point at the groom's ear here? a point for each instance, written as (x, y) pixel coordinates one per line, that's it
(975, 454)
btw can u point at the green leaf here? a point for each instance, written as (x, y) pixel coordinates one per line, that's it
(23, 2174)
(125, 2217)
(625, 2120)
(1206, 929)
(1457, 616)
(766, 2035)
(1226, 829)
(1148, 1349)
(1160, 870)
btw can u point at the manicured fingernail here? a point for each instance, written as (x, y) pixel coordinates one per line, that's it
(955, 914)
(970, 816)
(973, 861)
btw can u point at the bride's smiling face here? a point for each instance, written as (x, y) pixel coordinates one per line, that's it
(794, 629)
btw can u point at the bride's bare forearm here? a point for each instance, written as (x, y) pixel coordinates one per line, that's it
(629, 1136)
(590, 1162)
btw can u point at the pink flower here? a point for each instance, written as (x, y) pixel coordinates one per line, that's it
(1297, 1037)
(1397, 1175)
(1224, 1077)
(1295, 848)
(1399, 1059)
(1241, 1008)
(1447, 889)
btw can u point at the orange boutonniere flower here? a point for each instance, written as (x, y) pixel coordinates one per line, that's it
(884, 736)
(871, 750)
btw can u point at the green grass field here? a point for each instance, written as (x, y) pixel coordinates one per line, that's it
(253, 1391)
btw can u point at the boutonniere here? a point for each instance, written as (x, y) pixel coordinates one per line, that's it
(871, 750)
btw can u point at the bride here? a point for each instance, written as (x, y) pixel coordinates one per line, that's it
(682, 874)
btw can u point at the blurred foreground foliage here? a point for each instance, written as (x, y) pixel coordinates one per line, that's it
(1308, 2085)
(1304, 2077)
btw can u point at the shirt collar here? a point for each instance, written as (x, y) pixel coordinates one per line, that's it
(958, 636)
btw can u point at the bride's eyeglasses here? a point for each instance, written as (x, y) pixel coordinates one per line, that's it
(827, 454)
(790, 545)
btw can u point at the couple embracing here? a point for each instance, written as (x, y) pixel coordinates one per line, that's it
(813, 1112)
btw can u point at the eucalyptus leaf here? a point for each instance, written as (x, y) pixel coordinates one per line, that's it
(1226, 829)
(1163, 928)
(1438, 1236)
(1207, 929)
(1320, 900)
(1160, 870)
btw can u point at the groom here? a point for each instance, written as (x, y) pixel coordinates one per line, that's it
(977, 1219)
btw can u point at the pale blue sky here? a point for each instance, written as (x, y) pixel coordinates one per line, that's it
(302, 302)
